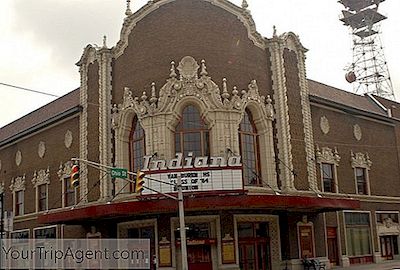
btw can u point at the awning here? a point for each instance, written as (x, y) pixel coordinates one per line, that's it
(222, 201)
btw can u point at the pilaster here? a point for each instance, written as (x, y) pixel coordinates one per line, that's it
(307, 122)
(285, 158)
(105, 120)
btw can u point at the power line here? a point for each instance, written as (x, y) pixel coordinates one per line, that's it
(29, 90)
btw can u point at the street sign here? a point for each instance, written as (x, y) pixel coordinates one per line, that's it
(119, 173)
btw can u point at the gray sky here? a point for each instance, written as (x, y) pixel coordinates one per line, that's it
(42, 40)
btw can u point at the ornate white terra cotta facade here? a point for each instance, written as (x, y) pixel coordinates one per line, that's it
(221, 111)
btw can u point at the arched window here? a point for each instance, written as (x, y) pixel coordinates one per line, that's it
(250, 150)
(192, 134)
(136, 146)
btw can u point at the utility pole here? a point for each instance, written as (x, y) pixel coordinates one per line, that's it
(182, 225)
(181, 209)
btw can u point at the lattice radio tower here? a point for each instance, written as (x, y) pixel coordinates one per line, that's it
(368, 72)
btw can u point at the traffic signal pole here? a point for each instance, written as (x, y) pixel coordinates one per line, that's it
(181, 209)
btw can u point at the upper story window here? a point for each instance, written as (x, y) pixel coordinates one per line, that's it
(136, 146)
(19, 203)
(328, 159)
(361, 165)
(361, 179)
(328, 177)
(69, 193)
(17, 188)
(42, 197)
(250, 150)
(192, 133)
(41, 182)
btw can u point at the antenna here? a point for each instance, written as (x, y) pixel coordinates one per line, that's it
(368, 72)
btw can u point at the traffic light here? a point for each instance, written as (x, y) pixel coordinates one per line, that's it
(75, 176)
(139, 182)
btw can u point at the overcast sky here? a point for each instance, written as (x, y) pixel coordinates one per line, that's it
(41, 40)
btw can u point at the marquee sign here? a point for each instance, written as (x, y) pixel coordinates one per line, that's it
(197, 173)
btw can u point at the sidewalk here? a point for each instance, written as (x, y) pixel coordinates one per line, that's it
(388, 265)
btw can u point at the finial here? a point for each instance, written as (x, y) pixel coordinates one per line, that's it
(225, 94)
(244, 4)
(269, 100)
(172, 74)
(128, 11)
(144, 97)
(104, 41)
(235, 91)
(153, 98)
(274, 31)
(203, 71)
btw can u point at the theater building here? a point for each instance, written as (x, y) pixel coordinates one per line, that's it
(275, 167)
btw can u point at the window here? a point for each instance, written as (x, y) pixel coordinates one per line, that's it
(250, 150)
(328, 177)
(136, 147)
(19, 203)
(69, 193)
(361, 180)
(42, 197)
(361, 164)
(192, 134)
(358, 234)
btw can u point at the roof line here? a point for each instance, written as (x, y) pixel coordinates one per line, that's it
(346, 108)
(50, 121)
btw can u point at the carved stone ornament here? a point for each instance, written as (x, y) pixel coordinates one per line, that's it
(327, 155)
(68, 139)
(324, 125)
(357, 132)
(188, 68)
(41, 177)
(64, 170)
(360, 160)
(190, 84)
(41, 149)
(17, 183)
(388, 222)
(18, 158)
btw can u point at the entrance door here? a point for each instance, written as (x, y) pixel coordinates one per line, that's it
(387, 246)
(199, 257)
(332, 245)
(254, 246)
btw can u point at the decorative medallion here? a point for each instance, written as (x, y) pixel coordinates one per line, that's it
(18, 158)
(357, 132)
(41, 149)
(324, 124)
(68, 139)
